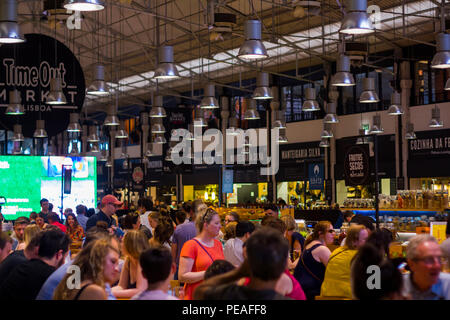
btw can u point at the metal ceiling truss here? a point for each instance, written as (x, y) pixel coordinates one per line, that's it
(277, 21)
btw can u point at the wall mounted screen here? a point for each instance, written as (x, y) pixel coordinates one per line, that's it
(25, 180)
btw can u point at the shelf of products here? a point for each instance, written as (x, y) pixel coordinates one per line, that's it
(415, 199)
(404, 220)
(424, 200)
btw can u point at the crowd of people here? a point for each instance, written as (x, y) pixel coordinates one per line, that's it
(144, 253)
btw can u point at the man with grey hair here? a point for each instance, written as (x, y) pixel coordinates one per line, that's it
(425, 282)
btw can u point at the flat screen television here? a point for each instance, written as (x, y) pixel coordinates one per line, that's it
(25, 180)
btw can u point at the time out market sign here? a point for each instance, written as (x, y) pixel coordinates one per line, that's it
(28, 67)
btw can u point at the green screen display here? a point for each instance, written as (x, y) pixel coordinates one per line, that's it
(25, 180)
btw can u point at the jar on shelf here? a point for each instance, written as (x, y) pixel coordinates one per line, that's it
(406, 200)
(437, 200)
(419, 200)
(400, 200)
(427, 199)
(413, 195)
(444, 200)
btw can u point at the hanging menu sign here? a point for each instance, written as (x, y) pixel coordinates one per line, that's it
(433, 143)
(137, 176)
(356, 165)
(178, 118)
(227, 181)
(28, 67)
(316, 176)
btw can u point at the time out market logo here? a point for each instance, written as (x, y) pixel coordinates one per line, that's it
(251, 147)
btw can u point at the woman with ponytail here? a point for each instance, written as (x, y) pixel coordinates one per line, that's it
(310, 270)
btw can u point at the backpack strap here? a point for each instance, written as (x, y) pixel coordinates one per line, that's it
(306, 268)
(204, 249)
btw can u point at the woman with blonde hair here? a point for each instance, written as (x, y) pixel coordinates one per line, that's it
(199, 253)
(30, 231)
(153, 220)
(131, 279)
(337, 274)
(310, 269)
(99, 267)
(296, 240)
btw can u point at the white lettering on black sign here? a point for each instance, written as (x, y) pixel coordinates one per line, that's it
(356, 165)
(34, 77)
(155, 164)
(19, 76)
(430, 146)
(300, 153)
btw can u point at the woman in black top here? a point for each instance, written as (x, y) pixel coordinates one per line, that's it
(98, 264)
(310, 269)
(131, 279)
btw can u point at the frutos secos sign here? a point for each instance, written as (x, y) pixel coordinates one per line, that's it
(28, 68)
(356, 164)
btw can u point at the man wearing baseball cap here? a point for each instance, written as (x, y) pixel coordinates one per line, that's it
(108, 207)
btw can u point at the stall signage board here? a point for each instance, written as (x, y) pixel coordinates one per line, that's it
(299, 152)
(137, 176)
(227, 185)
(179, 118)
(433, 143)
(155, 164)
(316, 176)
(356, 165)
(28, 68)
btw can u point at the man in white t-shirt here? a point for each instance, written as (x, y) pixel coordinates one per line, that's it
(158, 268)
(233, 249)
(145, 207)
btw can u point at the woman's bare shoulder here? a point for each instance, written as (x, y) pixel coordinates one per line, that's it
(93, 292)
